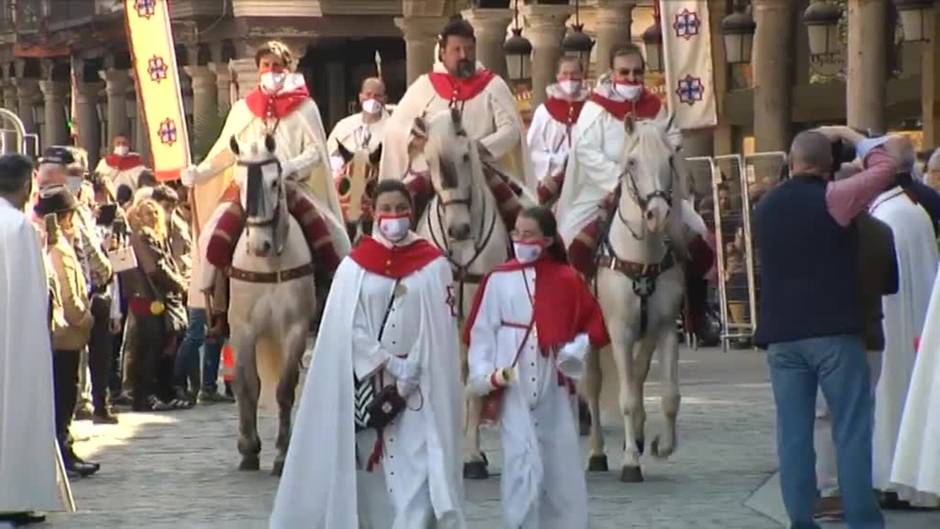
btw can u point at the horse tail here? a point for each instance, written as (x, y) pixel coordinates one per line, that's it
(269, 362)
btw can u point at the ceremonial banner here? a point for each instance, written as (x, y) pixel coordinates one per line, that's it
(687, 50)
(158, 85)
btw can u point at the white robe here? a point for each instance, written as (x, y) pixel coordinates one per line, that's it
(916, 472)
(543, 484)
(491, 117)
(28, 470)
(117, 177)
(422, 455)
(549, 143)
(904, 316)
(352, 131)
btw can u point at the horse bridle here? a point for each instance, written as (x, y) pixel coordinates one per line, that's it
(628, 178)
(276, 214)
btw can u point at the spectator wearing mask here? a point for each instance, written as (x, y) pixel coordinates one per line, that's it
(122, 167)
(363, 130)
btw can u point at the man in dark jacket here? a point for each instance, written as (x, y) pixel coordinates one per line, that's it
(810, 321)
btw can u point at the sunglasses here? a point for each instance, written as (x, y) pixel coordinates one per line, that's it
(627, 71)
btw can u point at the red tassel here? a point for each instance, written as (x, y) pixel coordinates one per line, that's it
(377, 453)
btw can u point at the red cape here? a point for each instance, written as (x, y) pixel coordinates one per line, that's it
(277, 106)
(647, 107)
(454, 88)
(395, 262)
(123, 163)
(564, 111)
(564, 307)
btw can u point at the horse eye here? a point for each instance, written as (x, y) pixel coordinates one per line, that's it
(631, 162)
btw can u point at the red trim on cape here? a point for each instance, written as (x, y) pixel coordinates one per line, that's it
(564, 306)
(647, 107)
(563, 110)
(395, 262)
(276, 106)
(453, 88)
(123, 163)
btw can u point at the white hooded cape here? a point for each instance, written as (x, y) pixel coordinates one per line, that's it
(491, 117)
(318, 489)
(904, 316)
(916, 472)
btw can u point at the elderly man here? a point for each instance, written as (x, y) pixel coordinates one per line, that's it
(811, 323)
(363, 130)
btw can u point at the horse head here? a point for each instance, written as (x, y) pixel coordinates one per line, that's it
(650, 180)
(262, 195)
(356, 182)
(452, 158)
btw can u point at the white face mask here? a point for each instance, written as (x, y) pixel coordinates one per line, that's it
(570, 86)
(395, 228)
(273, 81)
(371, 106)
(122, 150)
(629, 92)
(74, 183)
(526, 252)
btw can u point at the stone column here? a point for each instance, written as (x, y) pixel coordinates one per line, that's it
(931, 81)
(117, 83)
(489, 26)
(246, 75)
(206, 119)
(867, 67)
(545, 27)
(773, 43)
(612, 23)
(223, 82)
(54, 130)
(10, 98)
(142, 142)
(27, 96)
(420, 37)
(89, 134)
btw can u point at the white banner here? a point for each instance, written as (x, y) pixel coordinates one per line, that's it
(687, 50)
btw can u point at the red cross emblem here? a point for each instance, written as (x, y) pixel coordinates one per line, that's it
(145, 8)
(452, 300)
(690, 89)
(687, 24)
(167, 131)
(157, 68)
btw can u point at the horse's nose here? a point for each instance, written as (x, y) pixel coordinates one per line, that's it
(459, 232)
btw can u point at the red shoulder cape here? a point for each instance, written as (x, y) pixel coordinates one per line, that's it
(123, 163)
(564, 307)
(453, 88)
(395, 262)
(277, 106)
(647, 107)
(564, 111)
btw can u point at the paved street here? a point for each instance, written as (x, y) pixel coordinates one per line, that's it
(178, 469)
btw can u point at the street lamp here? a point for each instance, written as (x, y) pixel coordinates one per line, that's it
(914, 18)
(738, 29)
(518, 52)
(576, 41)
(653, 44)
(822, 24)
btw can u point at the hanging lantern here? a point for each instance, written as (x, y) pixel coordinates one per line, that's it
(822, 24)
(738, 30)
(914, 14)
(653, 45)
(577, 42)
(518, 56)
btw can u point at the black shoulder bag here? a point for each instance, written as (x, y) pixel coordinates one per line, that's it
(377, 405)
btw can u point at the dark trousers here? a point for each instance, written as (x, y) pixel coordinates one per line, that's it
(147, 347)
(100, 351)
(65, 381)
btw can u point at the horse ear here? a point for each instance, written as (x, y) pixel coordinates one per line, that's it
(376, 155)
(344, 152)
(233, 145)
(419, 135)
(457, 120)
(269, 143)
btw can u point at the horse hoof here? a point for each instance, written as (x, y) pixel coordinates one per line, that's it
(641, 446)
(475, 470)
(250, 462)
(278, 469)
(661, 454)
(631, 475)
(598, 463)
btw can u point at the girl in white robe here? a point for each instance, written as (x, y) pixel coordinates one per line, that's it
(533, 322)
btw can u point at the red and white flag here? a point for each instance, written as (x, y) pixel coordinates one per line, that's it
(687, 50)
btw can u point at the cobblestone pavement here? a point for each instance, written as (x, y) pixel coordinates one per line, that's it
(178, 469)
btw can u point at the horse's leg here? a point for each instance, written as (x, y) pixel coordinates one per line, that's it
(247, 389)
(669, 359)
(645, 350)
(623, 341)
(293, 346)
(591, 384)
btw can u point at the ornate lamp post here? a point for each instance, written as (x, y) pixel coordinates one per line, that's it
(518, 52)
(576, 41)
(738, 30)
(822, 24)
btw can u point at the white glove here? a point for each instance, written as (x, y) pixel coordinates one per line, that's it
(405, 389)
(403, 370)
(189, 176)
(571, 357)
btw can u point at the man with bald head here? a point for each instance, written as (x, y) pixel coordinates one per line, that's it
(810, 320)
(363, 130)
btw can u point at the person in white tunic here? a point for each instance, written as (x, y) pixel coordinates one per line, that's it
(389, 317)
(123, 168)
(916, 472)
(904, 316)
(363, 130)
(532, 324)
(28, 463)
(549, 135)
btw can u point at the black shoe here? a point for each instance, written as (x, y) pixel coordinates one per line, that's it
(82, 468)
(70, 455)
(106, 417)
(22, 518)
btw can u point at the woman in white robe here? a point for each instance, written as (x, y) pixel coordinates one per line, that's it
(532, 323)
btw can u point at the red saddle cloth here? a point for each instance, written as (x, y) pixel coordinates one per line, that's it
(227, 231)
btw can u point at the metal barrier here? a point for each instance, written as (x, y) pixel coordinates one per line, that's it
(16, 140)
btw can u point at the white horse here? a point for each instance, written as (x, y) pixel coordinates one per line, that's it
(272, 300)
(463, 220)
(355, 185)
(640, 286)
